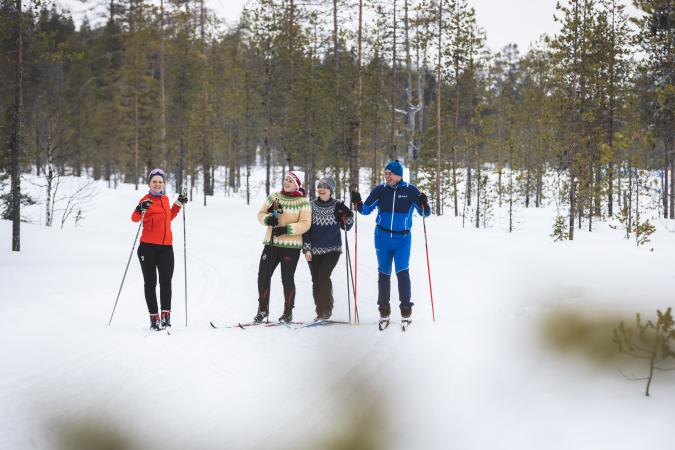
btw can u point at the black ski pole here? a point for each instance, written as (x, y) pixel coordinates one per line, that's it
(126, 268)
(268, 263)
(351, 274)
(349, 297)
(185, 263)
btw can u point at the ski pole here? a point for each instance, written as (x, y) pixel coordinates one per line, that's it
(126, 268)
(268, 263)
(356, 262)
(349, 298)
(426, 245)
(185, 265)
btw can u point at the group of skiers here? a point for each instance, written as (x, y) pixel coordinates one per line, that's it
(294, 225)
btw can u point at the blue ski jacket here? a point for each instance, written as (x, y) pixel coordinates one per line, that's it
(395, 206)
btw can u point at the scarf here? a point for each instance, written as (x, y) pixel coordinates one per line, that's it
(298, 193)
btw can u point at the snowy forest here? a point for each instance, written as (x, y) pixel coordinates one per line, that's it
(542, 281)
(337, 86)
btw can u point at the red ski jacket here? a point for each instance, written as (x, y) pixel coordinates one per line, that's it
(157, 220)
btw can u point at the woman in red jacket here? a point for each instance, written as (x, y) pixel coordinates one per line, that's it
(155, 251)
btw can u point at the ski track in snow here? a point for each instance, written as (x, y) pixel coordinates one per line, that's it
(480, 367)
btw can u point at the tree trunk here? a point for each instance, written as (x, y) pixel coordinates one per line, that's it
(454, 146)
(478, 186)
(15, 138)
(610, 189)
(247, 135)
(629, 201)
(163, 161)
(393, 153)
(511, 188)
(421, 76)
(672, 175)
(539, 183)
(136, 131)
(591, 195)
(354, 165)
(665, 185)
(180, 185)
(374, 177)
(410, 111)
(204, 126)
(439, 88)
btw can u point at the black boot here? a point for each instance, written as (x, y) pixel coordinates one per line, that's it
(286, 317)
(165, 321)
(154, 322)
(406, 311)
(385, 311)
(323, 315)
(261, 316)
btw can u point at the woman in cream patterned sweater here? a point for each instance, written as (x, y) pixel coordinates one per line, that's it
(287, 215)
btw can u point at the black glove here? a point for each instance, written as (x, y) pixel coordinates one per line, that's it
(278, 231)
(271, 221)
(182, 198)
(342, 210)
(143, 206)
(356, 199)
(423, 201)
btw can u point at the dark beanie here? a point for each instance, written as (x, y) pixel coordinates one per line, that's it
(394, 167)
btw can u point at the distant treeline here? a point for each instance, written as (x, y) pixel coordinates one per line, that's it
(335, 85)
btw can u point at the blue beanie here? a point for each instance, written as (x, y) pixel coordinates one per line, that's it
(394, 167)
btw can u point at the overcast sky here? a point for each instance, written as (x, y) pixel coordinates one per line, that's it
(505, 21)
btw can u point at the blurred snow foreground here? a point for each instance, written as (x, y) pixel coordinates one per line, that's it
(520, 356)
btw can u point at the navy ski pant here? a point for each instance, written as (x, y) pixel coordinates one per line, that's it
(393, 248)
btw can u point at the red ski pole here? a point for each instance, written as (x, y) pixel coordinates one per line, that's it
(426, 245)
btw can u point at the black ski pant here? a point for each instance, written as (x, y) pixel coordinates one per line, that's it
(156, 258)
(270, 258)
(321, 268)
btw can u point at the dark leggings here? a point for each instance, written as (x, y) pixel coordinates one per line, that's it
(156, 258)
(321, 267)
(269, 260)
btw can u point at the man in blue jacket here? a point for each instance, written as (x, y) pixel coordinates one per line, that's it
(395, 201)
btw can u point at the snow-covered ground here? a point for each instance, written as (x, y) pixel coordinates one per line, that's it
(483, 376)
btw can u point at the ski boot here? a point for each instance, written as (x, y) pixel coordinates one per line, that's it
(324, 315)
(262, 315)
(385, 312)
(406, 312)
(154, 322)
(165, 321)
(286, 317)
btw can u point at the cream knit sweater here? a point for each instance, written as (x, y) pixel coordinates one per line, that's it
(296, 216)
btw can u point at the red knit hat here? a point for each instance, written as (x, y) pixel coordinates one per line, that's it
(296, 176)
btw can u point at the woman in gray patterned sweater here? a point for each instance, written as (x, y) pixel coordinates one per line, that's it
(322, 244)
